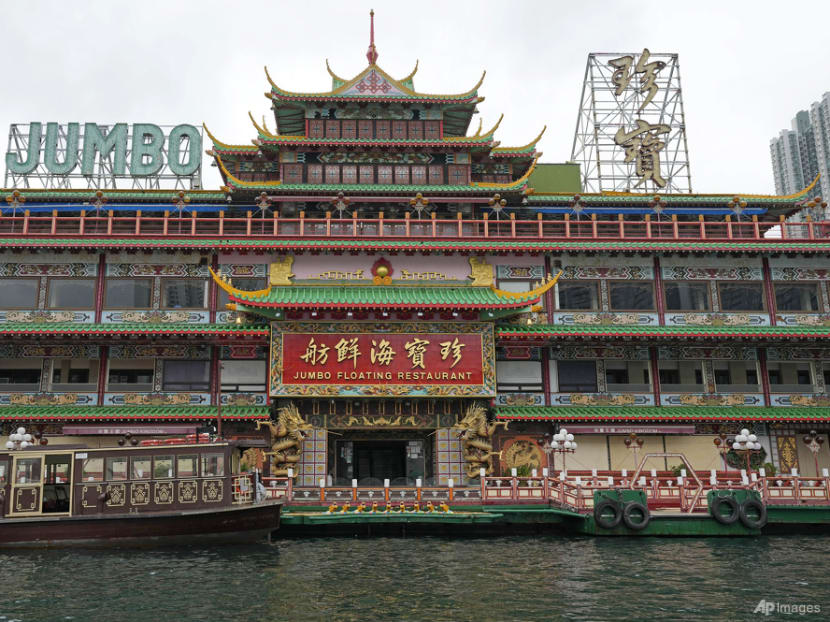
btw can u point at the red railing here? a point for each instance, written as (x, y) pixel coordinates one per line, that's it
(211, 225)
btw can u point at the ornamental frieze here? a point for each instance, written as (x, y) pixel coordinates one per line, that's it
(693, 273)
(47, 317)
(199, 352)
(638, 273)
(55, 269)
(180, 270)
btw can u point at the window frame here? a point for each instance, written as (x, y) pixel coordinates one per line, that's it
(816, 289)
(166, 281)
(650, 284)
(109, 280)
(53, 279)
(703, 284)
(165, 383)
(580, 387)
(579, 282)
(34, 280)
(109, 471)
(760, 284)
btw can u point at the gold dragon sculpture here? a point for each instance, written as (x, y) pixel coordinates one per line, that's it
(475, 433)
(287, 436)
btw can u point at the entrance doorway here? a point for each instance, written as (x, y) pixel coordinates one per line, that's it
(380, 459)
(401, 460)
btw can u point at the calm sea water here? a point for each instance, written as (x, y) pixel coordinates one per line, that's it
(477, 579)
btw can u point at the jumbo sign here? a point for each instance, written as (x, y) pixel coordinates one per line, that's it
(137, 150)
(348, 358)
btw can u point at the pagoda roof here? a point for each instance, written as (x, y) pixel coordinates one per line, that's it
(132, 413)
(557, 331)
(277, 185)
(624, 414)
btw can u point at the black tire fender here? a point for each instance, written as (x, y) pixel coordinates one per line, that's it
(750, 522)
(604, 521)
(729, 519)
(636, 509)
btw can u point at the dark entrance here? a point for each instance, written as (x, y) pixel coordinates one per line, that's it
(380, 459)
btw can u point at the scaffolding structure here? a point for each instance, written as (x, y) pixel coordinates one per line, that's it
(104, 175)
(631, 132)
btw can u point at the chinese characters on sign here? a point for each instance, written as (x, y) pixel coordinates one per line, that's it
(386, 358)
(642, 144)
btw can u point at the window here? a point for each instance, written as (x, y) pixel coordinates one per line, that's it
(92, 469)
(627, 376)
(684, 296)
(116, 469)
(332, 174)
(333, 129)
(457, 174)
(578, 295)
(432, 130)
(416, 130)
(244, 375)
(186, 466)
(162, 467)
(787, 377)
(399, 130)
(19, 293)
(350, 174)
(4, 466)
(248, 284)
(419, 175)
(512, 376)
(27, 471)
(401, 174)
(183, 294)
(186, 376)
(130, 377)
(141, 468)
(128, 293)
(382, 130)
(616, 376)
(349, 129)
(796, 297)
(680, 376)
(364, 129)
(19, 376)
(70, 376)
(577, 376)
(741, 296)
(384, 174)
(71, 293)
(631, 295)
(213, 465)
(293, 173)
(367, 174)
(436, 175)
(315, 173)
(735, 376)
(316, 128)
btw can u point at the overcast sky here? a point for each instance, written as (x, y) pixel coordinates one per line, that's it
(747, 67)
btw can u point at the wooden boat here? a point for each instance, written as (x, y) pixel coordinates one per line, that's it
(135, 495)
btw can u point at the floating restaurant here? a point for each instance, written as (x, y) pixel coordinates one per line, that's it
(380, 290)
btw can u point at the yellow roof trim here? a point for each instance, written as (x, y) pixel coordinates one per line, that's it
(519, 181)
(239, 182)
(610, 193)
(411, 73)
(228, 287)
(493, 129)
(535, 293)
(532, 143)
(347, 84)
(218, 142)
(263, 131)
(333, 75)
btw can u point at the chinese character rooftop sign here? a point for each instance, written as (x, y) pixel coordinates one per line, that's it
(630, 134)
(376, 360)
(74, 155)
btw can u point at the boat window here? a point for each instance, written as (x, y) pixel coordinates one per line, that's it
(27, 471)
(141, 468)
(117, 468)
(213, 465)
(162, 467)
(186, 466)
(3, 474)
(92, 470)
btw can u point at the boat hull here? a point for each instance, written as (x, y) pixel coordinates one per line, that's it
(243, 523)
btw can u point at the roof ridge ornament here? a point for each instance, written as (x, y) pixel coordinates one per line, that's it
(372, 53)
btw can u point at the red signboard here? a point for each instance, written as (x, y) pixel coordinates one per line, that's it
(367, 361)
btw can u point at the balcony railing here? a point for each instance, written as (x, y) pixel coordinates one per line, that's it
(193, 225)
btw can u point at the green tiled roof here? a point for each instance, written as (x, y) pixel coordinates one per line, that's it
(127, 413)
(758, 332)
(494, 244)
(479, 187)
(65, 328)
(112, 194)
(661, 413)
(387, 296)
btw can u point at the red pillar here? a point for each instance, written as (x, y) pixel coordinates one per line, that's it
(99, 287)
(658, 286)
(768, 290)
(655, 375)
(762, 364)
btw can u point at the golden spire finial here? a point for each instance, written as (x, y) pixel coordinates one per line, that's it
(372, 54)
